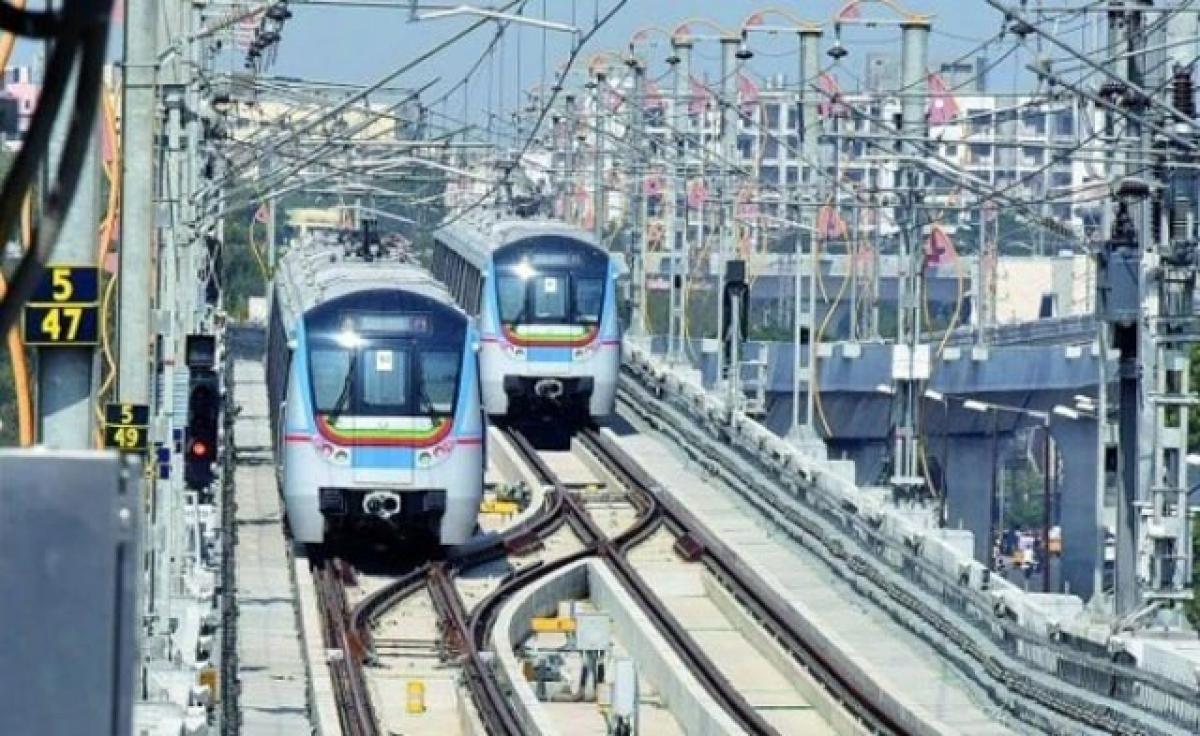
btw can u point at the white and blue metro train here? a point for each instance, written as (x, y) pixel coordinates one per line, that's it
(545, 296)
(374, 388)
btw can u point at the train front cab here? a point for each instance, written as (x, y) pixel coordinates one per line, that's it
(551, 339)
(383, 429)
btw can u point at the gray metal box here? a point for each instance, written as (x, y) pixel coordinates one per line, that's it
(68, 568)
(1120, 290)
(593, 632)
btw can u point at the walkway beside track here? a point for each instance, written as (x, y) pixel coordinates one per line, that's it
(897, 660)
(272, 674)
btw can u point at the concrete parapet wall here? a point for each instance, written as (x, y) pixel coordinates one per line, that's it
(696, 712)
(512, 627)
(984, 612)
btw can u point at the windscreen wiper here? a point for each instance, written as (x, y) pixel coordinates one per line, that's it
(343, 399)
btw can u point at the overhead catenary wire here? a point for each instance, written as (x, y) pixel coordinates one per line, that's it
(542, 113)
(80, 45)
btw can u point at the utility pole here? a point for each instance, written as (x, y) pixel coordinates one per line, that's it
(809, 130)
(568, 154)
(637, 201)
(1120, 295)
(678, 232)
(978, 285)
(136, 254)
(729, 46)
(598, 194)
(911, 363)
(64, 372)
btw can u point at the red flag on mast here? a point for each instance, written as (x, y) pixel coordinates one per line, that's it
(832, 104)
(942, 106)
(939, 249)
(830, 224)
(747, 93)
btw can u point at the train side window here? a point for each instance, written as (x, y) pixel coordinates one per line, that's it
(329, 369)
(511, 294)
(439, 380)
(589, 299)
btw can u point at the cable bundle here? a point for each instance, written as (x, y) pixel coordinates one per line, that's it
(80, 38)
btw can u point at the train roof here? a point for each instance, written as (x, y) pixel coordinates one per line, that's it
(318, 269)
(476, 237)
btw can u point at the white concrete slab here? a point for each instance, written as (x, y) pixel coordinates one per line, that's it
(272, 672)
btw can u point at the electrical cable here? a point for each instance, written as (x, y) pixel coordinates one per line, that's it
(83, 41)
(543, 112)
(18, 360)
(16, 20)
(112, 170)
(318, 116)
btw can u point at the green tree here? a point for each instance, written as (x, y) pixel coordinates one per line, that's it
(241, 275)
(1194, 604)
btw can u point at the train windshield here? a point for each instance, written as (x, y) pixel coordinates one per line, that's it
(377, 363)
(551, 280)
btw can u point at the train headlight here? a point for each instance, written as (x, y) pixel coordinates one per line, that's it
(436, 454)
(335, 455)
(583, 353)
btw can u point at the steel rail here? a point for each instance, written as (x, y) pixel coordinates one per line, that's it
(766, 606)
(355, 713)
(458, 627)
(614, 551)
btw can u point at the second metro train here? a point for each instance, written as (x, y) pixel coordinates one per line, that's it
(545, 295)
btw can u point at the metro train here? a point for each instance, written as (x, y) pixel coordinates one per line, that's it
(374, 393)
(545, 296)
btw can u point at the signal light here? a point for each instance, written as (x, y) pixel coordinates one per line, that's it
(204, 412)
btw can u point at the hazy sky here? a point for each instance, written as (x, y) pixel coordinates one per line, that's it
(361, 45)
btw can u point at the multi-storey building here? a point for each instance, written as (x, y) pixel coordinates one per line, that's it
(1024, 147)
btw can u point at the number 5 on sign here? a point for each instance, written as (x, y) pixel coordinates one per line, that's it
(60, 280)
(125, 427)
(68, 285)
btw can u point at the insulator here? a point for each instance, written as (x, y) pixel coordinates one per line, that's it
(1179, 219)
(1183, 93)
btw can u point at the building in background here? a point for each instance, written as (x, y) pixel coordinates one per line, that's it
(22, 86)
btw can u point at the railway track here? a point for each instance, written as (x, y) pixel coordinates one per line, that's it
(466, 634)
(355, 713)
(614, 551)
(348, 632)
(695, 543)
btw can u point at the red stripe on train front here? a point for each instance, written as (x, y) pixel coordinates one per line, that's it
(290, 437)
